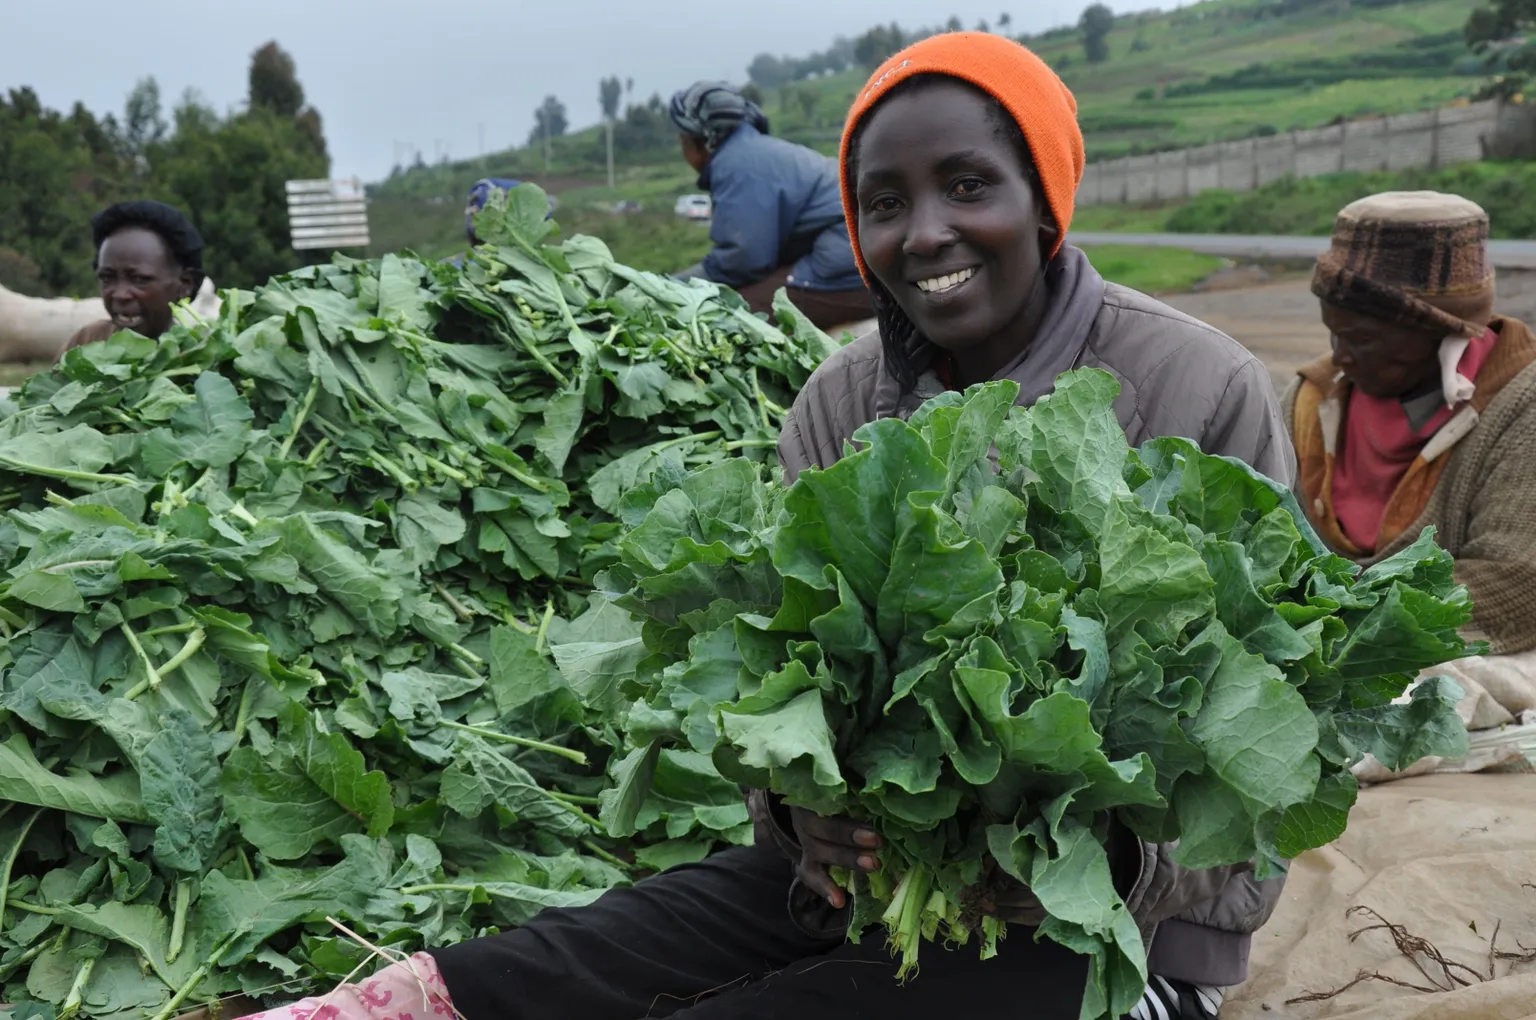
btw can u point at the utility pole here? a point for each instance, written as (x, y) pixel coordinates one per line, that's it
(609, 92)
(544, 121)
(480, 137)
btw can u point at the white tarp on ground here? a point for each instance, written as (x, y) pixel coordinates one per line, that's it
(1425, 909)
(1451, 859)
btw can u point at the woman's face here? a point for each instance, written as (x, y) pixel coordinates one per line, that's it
(694, 151)
(1381, 359)
(140, 280)
(949, 221)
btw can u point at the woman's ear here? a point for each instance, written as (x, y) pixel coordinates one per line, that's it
(1050, 233)
(189, 283)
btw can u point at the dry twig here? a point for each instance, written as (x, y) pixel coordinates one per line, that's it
(1451, 973)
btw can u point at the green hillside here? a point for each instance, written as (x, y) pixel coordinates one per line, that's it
(1213, 71)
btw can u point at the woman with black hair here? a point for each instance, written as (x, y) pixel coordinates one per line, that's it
(776, 220)
(148, 257)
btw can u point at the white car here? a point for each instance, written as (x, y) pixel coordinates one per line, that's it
(694, 207)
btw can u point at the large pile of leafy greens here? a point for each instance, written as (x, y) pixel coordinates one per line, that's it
(277, 600)
(991, 663)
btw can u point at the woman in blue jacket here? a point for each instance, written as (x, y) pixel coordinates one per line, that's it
(778, 217)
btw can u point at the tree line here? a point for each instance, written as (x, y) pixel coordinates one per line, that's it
(224, 171)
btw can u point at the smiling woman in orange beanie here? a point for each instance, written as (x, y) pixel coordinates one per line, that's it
(960, 162)
(959, 165)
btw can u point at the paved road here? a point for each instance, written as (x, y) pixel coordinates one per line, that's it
(1505, 254)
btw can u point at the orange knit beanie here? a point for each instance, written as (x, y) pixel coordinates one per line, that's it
(1026, 87)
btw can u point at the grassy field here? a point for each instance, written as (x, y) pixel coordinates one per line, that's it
(1334, 60)
(1151, 270)
(1507, 190)
(1211, 71)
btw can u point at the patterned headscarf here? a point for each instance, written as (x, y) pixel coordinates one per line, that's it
(711, 110)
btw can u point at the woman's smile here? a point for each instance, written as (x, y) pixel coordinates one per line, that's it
(935, 286)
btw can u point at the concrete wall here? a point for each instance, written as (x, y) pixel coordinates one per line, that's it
(1432, 138)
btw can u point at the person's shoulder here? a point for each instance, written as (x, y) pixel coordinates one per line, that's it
(855, 365)
(95, 332)
(837, 398)
(1130, 318)
(752, 149)
(1140, 337)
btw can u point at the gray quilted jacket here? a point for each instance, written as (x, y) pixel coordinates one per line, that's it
(1178, 377)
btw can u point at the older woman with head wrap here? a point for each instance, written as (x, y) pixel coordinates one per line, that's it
(148, 257)
(1424, 415)
(778, 221)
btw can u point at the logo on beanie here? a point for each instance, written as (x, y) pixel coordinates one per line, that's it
(874, 86)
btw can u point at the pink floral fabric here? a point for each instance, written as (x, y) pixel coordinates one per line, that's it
(410, 990)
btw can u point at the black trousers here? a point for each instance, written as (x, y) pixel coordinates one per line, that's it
(714, 940)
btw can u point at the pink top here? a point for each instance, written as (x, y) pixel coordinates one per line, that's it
(1379, 446)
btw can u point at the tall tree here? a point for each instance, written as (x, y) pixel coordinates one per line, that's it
(548, 123)
(274, 87)
(228, 176)
(609, 92)
(274, 81)
(838, 56)
(1095, 24)
(767, 70)
(1004, 21)
(809, 96)
(228, 173)
(880, 42)
(55, 172)
(143, 125)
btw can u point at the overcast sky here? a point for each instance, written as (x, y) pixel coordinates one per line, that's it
(396, 76)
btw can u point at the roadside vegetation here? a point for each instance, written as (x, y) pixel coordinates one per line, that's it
(1507, 190)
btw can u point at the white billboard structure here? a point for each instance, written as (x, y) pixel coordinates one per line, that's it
(327, 214)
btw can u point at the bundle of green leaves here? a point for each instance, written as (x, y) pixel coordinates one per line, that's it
(278, 601)
(991, 664)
